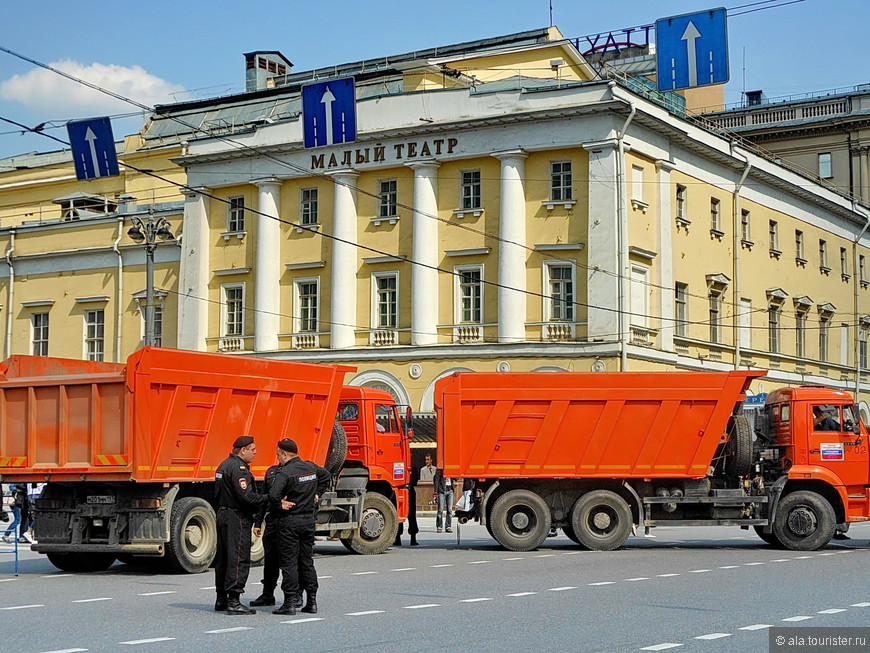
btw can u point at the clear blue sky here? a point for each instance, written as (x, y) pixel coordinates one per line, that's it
(194, 49)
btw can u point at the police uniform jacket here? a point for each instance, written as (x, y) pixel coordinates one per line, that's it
(234, 487)
(270, 511)
(299, 480)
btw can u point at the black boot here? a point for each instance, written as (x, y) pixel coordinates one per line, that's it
(398, 541)
(288, 607)
(234, 606)
(414, 541)
(298, 601)
(311, 604)
(220, 604)
(266, 598)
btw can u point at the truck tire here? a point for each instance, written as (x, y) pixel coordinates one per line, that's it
(81, 561)
(770, 538)
(570, 534)
(337, 453)
(601, 520)
(738, 450)
(805, 521)
(192, 536)
(378, 526)
(520, 520)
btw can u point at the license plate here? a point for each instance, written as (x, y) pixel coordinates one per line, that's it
(101, 498)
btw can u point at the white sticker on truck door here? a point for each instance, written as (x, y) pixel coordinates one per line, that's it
(398, 471)
(832, 451)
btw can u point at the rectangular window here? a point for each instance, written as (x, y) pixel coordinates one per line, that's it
(681, 309)
(308, 205)
(844, 262)
(862, 348)
(561, 292)
(845, 344)
(234, 310)
(862, 268)
(800, 334)
(681, 202)
(825, 168)
(745, 226)
(95, 324)
(470, 295)
(560, 180)
(236, 214)
(715, 216)
(744, 322)
(639, 296)
(306, 301)
(39, 323)
(799, 244)
(715, 298)
(386, 301)
(387, 199)
(774, 312)
(823, 255)
(470, 189)
(158, 325)
(773, 232)
(824, 328)
(637, 183)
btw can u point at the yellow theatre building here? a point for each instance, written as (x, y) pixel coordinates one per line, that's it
(504, 206)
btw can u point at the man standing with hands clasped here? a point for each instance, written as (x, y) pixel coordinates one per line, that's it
(301, 483)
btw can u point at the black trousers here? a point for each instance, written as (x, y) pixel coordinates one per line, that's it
(271, 556)
(233, 560)
(295, 543)
(413, 529)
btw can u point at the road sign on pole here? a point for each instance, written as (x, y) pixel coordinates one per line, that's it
(692, 50)
(93, 148)
(329, 112)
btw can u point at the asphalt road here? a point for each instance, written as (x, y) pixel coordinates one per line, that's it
(703, 590)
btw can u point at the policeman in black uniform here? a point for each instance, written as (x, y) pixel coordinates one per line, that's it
(300, 483)
(238, 502)
(271, 555)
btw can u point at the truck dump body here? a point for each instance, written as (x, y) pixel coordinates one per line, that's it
(585, 425)
(167, 415)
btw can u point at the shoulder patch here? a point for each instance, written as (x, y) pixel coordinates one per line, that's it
(243, 483)
(242, 467)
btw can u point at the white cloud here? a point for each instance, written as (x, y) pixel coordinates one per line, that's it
(49, 93)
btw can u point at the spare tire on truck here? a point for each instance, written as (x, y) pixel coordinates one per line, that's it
(738, 449)
(337, 453)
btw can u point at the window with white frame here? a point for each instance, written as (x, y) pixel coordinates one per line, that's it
(715, 214)
(637, 183)
(559, 283)
(157, 336)
(307, 299)
(680, 201)
(800, 333)
(823, 255)
(39, 324)
(744, 322)
(561, 181)
(470, 189)
(773, 233)
(745, 226)
(470, 295)
(386, 287)
(387, 198)
(844, 262)
(234, 309)
(236, 214)
(824, 332)
(774, 319)
(308, 206)
(825, 167)
(862, 269)
(95, 325)
(862, 347)
(715, 299)
(799, 245)
(639, 296)
(681, 309)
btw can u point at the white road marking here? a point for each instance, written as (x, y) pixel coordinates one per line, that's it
(513, 558)
(68, 650)
(755, 627)
(479, 562)
(56, 576)
(666, 575)
(363, 573)
(803, 557)
(438, 566)
(860, 605)
(226, 630)
(322, 577)
(7, 580)
(847, 551)
(753, 564)
(699, 571)
(831, 611)
(23, 607)
(404, 569)
(780, 560)
(422, 605)
(660, 647)
(730, 567)
(302, 621)
(546, 555)
(475, 600)
(714, 636)
(802, 617)
(523, 594)
(208, 588)
(157, 594)
(571, 553)
(632, 580)
(604, 582)
(148, 641)
(826, 554)
(363, 613)
(103, 598)
(561, 589)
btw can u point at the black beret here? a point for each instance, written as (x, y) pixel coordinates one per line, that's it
(243, 441)
(288, 445)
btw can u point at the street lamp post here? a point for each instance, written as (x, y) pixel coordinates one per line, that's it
(148, 231)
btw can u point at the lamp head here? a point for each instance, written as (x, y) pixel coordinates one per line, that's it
(164, 234)
(135, 234)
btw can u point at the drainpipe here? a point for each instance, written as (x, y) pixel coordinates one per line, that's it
(10, 293)
(120, 291)
(737, 247)
(622, 232)
(856, 273)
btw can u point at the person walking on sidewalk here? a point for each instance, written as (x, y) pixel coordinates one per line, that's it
(444, 487)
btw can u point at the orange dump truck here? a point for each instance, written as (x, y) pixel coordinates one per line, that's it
(597, 454)
(129, 451)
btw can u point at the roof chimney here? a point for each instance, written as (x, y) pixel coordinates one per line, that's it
(264, 65)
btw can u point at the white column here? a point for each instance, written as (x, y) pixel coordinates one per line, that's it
(603, 276)
(194, 269)
(667, 326)
(267, 270)
(511, 248)
(424, 250)
(344, 261)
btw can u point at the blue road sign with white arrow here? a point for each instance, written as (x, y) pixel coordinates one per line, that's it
(93, 148)
(692, 50)
(329, 112)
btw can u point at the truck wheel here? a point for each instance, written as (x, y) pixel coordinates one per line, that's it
(601, 519)
(520, 520)
(738, 449)
(770, 538)
(66, 561)
(378, 526)
(192, 536)
(569, 532)
(804, 521)
(337, 453)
